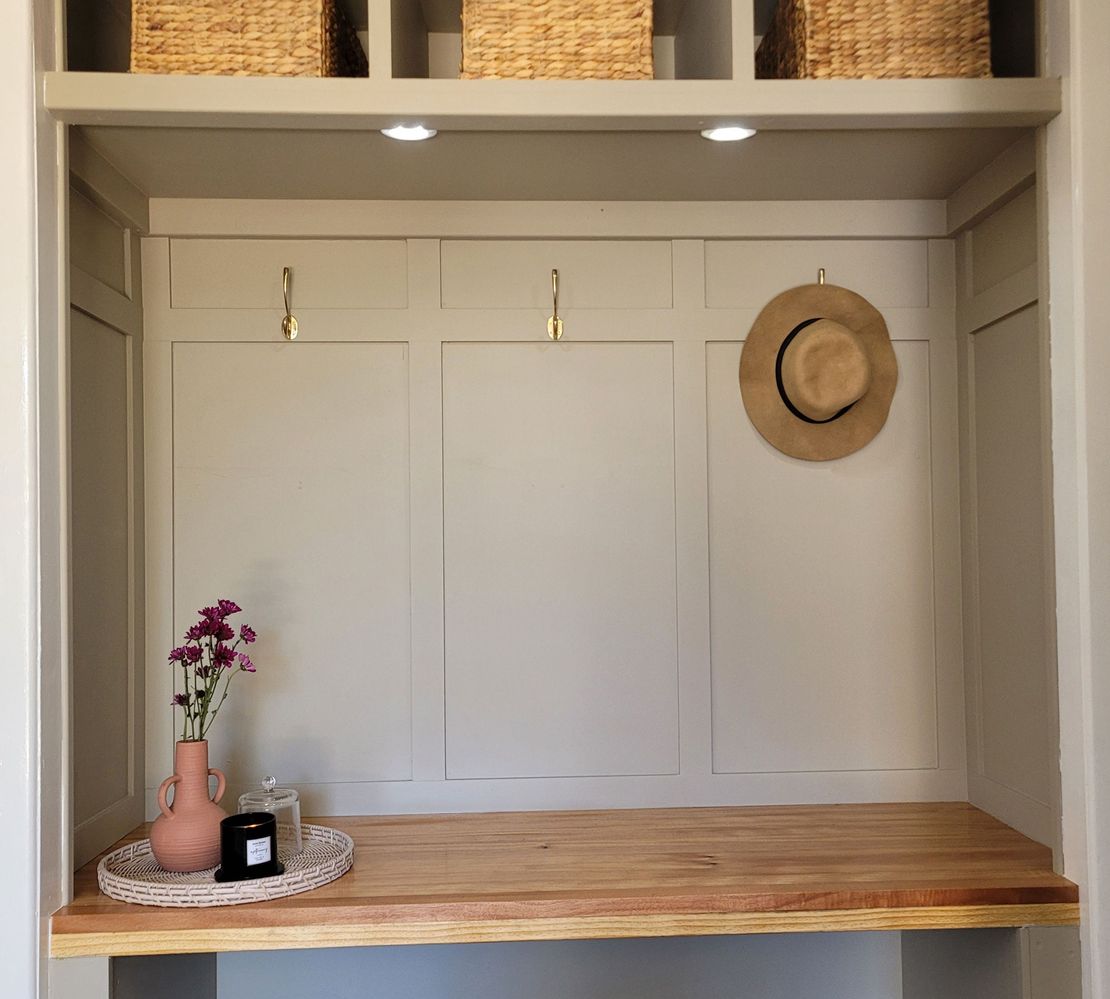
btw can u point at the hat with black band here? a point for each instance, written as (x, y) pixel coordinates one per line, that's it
(818, 372)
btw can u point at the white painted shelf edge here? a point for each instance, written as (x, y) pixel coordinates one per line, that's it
(546, 105)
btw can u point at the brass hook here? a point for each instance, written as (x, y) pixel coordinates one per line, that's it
(289, 322)
(555, 324)
(820, 275)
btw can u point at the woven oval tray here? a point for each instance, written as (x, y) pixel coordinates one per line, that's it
(131, 874)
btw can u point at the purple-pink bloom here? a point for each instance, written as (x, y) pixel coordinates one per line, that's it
(224, 632)
(177, 655)
(192, 653)
(245, 663)
(179, 700)
(247, 634)
(228, 607)
(222, 656)
(203, 628)
(210, 613)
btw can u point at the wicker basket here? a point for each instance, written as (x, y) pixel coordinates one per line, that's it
(876, 39)
(244, 38)
(557, 39)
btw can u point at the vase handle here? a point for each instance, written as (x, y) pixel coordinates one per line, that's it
(162, 804)
(221, 784)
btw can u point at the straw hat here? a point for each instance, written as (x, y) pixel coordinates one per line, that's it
(818, 372)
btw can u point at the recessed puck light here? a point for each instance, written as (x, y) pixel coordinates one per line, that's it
(409, 133)
(727, 133)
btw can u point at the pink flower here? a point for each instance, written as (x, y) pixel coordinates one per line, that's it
(245, 663)
(210, 613)
(222, 656)
(203, 628)
(179, 700)
(192, 653)
(247, 634)
(227, 607)
(177, 655)
(224, 632)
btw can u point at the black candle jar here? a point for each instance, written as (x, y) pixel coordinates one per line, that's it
(248, 847)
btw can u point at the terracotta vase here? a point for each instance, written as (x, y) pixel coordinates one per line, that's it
(186, 837)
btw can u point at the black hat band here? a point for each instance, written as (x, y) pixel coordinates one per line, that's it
(782, 390)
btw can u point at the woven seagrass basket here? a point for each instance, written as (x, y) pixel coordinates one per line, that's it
(244, 38)
(557, 39)
(876, 39)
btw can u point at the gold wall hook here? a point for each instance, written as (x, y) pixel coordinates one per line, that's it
(555, 324)
(820, 275)
(289, 321)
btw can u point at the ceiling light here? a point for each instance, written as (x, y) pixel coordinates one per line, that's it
(409, 133)
(727, 133)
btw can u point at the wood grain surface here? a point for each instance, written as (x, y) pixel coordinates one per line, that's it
(626, 873)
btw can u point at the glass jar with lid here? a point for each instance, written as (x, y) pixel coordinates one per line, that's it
(285, 805)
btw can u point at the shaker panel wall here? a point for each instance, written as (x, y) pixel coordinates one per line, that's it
(821, 590)
(1009, 642)
(559, 556)
(492, 571)
(291, 497)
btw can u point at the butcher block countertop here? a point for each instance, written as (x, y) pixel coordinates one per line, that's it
(420, 879)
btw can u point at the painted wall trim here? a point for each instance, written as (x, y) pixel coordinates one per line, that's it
(1001, 180)
(106, 187)
(552, 219)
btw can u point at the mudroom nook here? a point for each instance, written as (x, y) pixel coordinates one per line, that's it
(649, 543)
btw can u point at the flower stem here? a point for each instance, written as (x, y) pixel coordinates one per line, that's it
(212, 718)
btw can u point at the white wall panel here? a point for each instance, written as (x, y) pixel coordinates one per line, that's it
(1004, 243)
(516, 274)
(326, 274)
(97, 244)
(746, 274)
(821, 590)
(559, 534)
(100, 514)
(291, 497)
(1012, 675)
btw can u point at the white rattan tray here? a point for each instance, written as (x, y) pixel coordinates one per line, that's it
(131, 874)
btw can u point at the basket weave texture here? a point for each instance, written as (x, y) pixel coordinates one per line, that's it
(131, 874)
(244, 38)
(876, 39)
(557, 39)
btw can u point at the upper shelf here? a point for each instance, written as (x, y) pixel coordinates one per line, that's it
(301, 138)
(547, 105)
(586, 875)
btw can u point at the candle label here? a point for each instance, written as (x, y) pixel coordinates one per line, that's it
(258, 851)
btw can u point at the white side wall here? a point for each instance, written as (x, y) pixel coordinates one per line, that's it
(1078, 230)
(32, 542)
(19, 784)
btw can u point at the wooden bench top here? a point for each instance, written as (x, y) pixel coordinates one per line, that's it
(619, 873)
